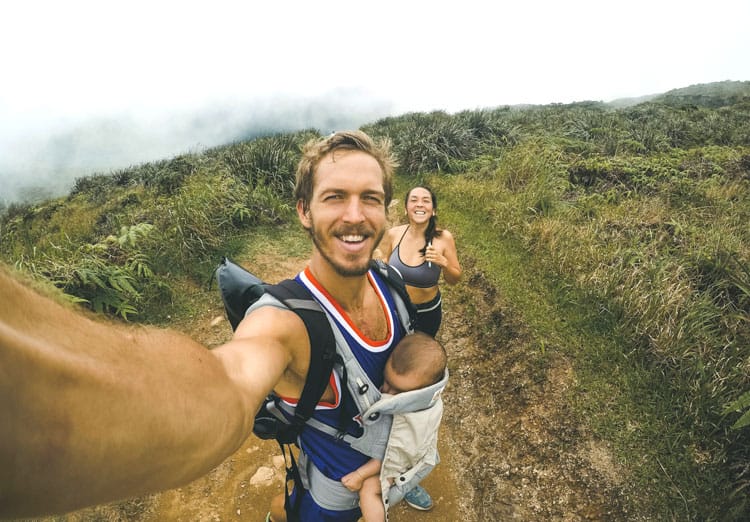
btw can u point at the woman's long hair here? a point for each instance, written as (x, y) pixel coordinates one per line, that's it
(432, 231)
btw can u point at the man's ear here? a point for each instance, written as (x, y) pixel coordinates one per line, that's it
(303, 214)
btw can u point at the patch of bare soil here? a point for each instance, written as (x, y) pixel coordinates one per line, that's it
(519, 451)
(510, 447)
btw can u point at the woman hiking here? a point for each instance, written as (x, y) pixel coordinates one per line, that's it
(421, 251)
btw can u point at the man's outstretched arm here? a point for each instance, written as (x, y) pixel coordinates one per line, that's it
(92, 412)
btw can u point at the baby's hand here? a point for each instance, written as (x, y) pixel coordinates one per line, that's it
(352, 481)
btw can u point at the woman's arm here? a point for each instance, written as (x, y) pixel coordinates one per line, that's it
(93, 412)
(445, 255)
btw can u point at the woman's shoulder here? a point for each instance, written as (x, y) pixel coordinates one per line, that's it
(445, 239)
(446, 234)
(396, 230)
(388, 243)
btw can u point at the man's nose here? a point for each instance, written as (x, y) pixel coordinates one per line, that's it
(353, 212)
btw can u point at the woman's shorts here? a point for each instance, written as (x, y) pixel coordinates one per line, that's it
(430, 315)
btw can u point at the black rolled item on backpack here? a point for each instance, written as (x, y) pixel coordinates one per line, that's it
(239, 288)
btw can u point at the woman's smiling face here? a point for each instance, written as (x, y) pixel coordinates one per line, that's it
(419, 205)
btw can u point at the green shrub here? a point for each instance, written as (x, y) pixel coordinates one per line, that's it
(166, 177)
(269, 161)
(428, 142)
(108, 276)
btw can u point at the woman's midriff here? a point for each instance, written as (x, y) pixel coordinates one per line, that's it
(421, 295)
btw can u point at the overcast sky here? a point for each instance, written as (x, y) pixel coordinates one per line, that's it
(67, 62)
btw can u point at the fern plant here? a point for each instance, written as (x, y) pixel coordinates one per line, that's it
(108, 276)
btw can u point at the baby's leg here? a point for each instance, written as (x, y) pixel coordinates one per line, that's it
(371, 500)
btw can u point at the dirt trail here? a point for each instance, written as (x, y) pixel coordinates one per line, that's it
(510, 448)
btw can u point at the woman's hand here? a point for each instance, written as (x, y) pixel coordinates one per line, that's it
(431, 255)
(445, 256)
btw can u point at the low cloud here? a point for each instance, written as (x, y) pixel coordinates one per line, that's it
(41, 166)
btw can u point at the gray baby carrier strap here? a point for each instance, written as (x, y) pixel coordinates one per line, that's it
(407, 402)
(361, 389)
(377, 420)
(328, 493)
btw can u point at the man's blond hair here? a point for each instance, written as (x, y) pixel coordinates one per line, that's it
(315, 150)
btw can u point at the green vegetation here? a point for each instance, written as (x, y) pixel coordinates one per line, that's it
(620, 235)
(118, 241)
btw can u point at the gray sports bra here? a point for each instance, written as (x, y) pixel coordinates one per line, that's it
(420, 276)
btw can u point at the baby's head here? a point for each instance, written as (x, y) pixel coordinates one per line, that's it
(417, 361)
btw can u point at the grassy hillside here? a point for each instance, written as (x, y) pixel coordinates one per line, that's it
(717, 94)
(620, 235)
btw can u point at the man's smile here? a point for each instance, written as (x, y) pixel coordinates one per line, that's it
(352, 238)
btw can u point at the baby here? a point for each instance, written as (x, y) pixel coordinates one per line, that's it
(417, 361)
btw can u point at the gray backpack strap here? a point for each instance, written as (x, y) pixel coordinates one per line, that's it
(328, 493)
(266, 300)
(403, 314)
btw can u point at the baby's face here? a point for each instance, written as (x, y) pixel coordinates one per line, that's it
(394, 383)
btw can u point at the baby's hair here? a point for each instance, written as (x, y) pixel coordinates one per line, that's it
(419, 353)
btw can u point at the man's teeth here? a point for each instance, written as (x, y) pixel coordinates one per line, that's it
(353, 239)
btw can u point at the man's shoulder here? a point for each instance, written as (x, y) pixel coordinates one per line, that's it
(280, 330)
(271, 318)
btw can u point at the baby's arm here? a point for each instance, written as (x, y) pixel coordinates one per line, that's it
(353, 481)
